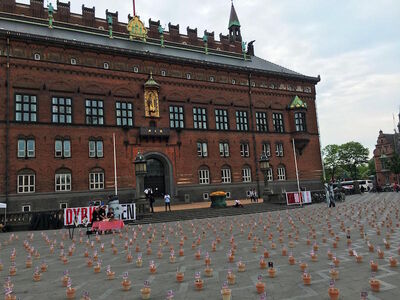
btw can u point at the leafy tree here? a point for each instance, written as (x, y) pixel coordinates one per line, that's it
(352, 155)
(331, 160)
(394, 165)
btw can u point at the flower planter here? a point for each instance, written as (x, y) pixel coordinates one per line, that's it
(271, 272)
(208, 271)
(291, 259)
(126, 285)
(241, 267)
(303, 266)
(375, 285)
(260, 286)
(110, 275)
(334, 274)
(359, 258)
(179, 276)
(71, 293)
(231, 278)
(374, 266)
(226, 294)
(198, 283)
(393, 262)
(306, 279)
(333, 293)
(145, 292)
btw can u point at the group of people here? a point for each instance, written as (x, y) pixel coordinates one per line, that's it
(100, 214)
(150, 196)
(253, 195)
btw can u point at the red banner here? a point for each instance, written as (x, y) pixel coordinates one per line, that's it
(293, 198)
(77, 214)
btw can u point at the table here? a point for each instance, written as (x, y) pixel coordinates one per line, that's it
(108, 225)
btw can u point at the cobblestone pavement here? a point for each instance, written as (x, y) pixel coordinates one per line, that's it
(370, 220)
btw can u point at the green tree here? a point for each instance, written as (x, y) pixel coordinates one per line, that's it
(331, 160)
(352, 155)
(394, 165)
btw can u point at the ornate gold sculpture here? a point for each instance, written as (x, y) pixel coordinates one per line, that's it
(151, 105)
(137, 29)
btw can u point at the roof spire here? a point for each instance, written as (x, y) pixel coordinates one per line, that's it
(234, 26)
(233, 19)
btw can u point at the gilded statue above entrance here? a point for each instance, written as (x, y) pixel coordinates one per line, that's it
(151, 88)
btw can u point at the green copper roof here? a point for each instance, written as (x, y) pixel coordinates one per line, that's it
(233, 19)
(151, 82)
(297, 103)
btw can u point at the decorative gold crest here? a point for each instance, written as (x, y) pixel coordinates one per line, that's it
(137, 29)
(151, 105)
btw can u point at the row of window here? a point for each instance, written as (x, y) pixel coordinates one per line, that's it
(62, 148)
(26, 111)
(211, 78)
(26, 183)
(202, 149)
(226, 174)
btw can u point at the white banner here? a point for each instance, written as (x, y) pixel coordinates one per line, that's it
(77, 215)
(306, 196)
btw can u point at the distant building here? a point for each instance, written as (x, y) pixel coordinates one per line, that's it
(386, 146)
(200, 110)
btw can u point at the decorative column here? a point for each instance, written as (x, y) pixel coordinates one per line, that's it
(161, 32)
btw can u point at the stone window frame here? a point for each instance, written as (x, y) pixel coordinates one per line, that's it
(200, 120)
(26, 181)
(128, 119)
(221, 119)
(67, 185)
(61, 107)
(176, 116)
(279, 149)
(26, 153)
(226, 174)
(223, 147)
(94, 147)
(96, 179)
(266, 148)
(23, 108)
(65, 143)
(281, 172)
(246, 174)
(261, 121)
(94, 114)
(300, 121)
(278, 122)
(204, 175)
(202, 148)
(242, 120)
(244, 149)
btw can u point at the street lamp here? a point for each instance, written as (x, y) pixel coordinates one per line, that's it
(264, 166)
(140, 171)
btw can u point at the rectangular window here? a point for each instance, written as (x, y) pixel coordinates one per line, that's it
(94, 112)
(61, 109)
(266, 149)
(204, 176)
(221, 119)
(261, 121)
(226, 175)
(25, 108)
(176, 117)
(270, 175)
(244, 150)
(199, 118)
(26, 208)
(62, 148)
(26, 148)
(96, 149)
(281, 173)
(300, 121)
(241, 120)
(279, 149)
(26, 183)
(202, 150)
(63, 205)
(63, 182)
(124, 113)
(246, 175)
(224, 149)
(96, 181)
(277, 120)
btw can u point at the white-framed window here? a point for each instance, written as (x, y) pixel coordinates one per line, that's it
(244, 150)
(63, 205)
(204, 176)
(228, 195)
(233, 81)
(36, 56)
(206, 196)
(26, 183)
(281, 173)
(136, 69)
(26, 148)
(270, 175)
(73, 61)
(62, 182)
(62, 148)
(212, 78)
(300, 121)
(96, 181)
(202, 150)
(266, 149)
(106, 65)
(96, 149)
(26, 208)
(246, 174)
(226, 175)
(224, 149)
(163, 73)
(253, 84)
(307, 89)
(279, 149)
(188, 76)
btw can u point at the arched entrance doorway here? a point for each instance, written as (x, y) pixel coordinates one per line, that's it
(155, 177)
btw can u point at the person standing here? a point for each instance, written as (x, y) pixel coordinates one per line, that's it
(167, 200)
(331, 196)
(151, 200)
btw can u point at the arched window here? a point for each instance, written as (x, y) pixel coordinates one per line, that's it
(226, 176)
(204, 175)
(270, 174)
(246, 174)
(63, 180)
(26, 180)
(281, 170)
(96, 179)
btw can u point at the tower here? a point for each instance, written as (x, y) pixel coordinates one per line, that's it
(234, 26)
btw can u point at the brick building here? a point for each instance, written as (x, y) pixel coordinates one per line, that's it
(386, 146)
(201, 110)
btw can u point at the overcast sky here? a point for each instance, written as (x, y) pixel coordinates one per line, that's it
(353, 44)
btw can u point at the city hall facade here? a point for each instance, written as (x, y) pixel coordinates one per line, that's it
(201, 110)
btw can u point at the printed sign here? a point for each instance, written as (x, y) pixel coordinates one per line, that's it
(78, 215)
(306, 197)
(293, 198)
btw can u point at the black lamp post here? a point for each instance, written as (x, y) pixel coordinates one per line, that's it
(140, 171)
(264, 166)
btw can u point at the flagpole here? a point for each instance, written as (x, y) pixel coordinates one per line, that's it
(134, 9)
(297, 172)
(115, 168)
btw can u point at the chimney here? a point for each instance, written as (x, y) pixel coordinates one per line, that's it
(37, 9)
(63, 11)
(153, 29)
(88, 16)
(174, 32)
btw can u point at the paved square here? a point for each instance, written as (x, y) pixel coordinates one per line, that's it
(370, 220)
